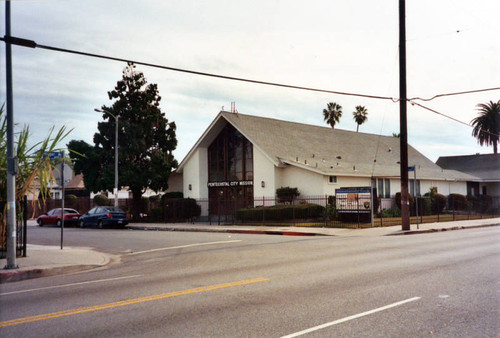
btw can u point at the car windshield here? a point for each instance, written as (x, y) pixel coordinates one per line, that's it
(70, 211)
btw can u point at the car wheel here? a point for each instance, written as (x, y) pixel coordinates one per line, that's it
(99, 224)
(80, 223)
(40, 222)
(59, 223)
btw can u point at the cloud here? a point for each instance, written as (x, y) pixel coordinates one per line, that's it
(335, 45)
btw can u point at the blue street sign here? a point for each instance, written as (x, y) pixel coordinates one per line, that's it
(56, 154)
(411, 168)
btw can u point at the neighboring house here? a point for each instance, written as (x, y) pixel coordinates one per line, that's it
(243, 158)
(485, 168)
(56, 190)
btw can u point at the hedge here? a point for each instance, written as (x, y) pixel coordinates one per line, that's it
(172, 195)
(101, 200)
(457, 202)
(287, 194)
(398, 199)
(281, 212)
(181, 209)
(70, 199)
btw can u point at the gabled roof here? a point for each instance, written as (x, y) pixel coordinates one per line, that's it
(325, 150)
(76, 182)
(485, 167)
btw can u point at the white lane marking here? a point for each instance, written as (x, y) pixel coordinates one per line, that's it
(68, 285)
(182, 247)
(319, 327)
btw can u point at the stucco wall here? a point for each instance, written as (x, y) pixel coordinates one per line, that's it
(195, 173)
(444, 187)
(264, 171)
(345, 181)
(308, 182)
(175, 183)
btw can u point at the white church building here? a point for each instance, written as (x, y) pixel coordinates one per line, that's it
(244, 158)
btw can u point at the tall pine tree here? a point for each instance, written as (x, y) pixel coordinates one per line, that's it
(146, 141)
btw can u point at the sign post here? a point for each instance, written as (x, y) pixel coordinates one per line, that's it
(414, 169)
(60, 155)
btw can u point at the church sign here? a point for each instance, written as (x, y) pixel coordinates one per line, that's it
(229, 184)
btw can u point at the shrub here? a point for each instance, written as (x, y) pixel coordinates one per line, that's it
(483, 203)
(398, 200)
(171, 195)
(154, 198)
(424, 206)
(101, 200)
(438, 203)
(457, 202)
(388, 213)
(181, 209)
(70, 199)
(281, 212)
(287, 194)
(332, 212)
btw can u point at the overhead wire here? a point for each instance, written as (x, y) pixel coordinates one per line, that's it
(449, 117)
(456, 93)
(33, 44)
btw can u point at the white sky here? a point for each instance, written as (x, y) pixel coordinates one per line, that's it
(350, 46)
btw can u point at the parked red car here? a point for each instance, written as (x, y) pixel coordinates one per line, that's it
(54, 216)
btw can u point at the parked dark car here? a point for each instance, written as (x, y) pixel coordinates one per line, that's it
(104, 216)
(54, 216)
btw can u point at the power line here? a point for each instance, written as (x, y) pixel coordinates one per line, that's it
(456, 93)
(449, 117)
(33, 44)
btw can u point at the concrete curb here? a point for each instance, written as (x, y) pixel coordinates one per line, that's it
(426, 231)
(294, 233)
(15, 275)
(229, 231)
(7, 276)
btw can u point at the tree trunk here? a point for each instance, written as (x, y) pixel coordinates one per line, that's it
(136, 204)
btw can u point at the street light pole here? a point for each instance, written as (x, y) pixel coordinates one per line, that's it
(116, 151)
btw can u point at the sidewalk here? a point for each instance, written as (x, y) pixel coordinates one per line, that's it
(51, 260)
(311, 231)
(43, 260)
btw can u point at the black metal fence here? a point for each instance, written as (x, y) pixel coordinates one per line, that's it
(329, 211)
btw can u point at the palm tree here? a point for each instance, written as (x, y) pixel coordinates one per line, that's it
(487, 124)
(360, 116)
(332, 113)
(35, 168)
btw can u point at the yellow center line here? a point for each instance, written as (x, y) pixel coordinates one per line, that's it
(127, 302)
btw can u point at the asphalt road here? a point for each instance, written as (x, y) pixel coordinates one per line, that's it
(179, 284)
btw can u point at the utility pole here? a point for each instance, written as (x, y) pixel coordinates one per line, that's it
(11, 160)
(405, 208)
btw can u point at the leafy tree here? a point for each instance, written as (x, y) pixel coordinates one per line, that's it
(487, 124)
(146, 141)
(360, 116)
(35, 174)
(332, 113)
